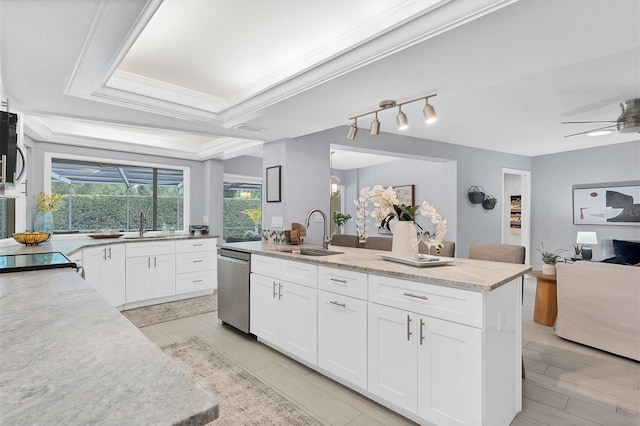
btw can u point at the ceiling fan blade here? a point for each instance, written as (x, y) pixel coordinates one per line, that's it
(592, 130)
(587, 122)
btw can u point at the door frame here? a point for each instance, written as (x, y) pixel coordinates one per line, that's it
(525, 230)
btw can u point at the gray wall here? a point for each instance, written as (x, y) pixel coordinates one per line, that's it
(244, 165)
(551, 187)
(206, 177)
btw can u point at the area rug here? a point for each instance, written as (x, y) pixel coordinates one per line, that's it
(155, 314)
(244, 399)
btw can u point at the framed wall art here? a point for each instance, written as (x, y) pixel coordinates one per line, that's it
(274, 186)
(614, 203)
(406, 194)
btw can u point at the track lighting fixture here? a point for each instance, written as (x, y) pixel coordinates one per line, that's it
(375, 126)
(353, 129)
(401, 118)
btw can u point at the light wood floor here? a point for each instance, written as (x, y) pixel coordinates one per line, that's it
(566, 383)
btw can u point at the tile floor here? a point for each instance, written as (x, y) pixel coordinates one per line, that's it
(566, 383)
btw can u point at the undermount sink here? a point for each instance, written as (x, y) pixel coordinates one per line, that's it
(147, 237)
(312, 252)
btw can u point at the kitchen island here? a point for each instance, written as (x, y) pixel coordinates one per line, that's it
(439, 345)
(68, 357)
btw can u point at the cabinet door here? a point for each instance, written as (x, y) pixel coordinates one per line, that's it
(163, 276)
(449, 372)
(112, 283)
(298, 306)
(263, 308)
(93, 260)
(342, 337)
(138, 279)
(393, 356)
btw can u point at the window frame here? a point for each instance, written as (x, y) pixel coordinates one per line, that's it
(186, 174)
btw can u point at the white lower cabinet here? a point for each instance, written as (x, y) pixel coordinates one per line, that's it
(285, 314)
(342, 337)
(150, 271)
(104, 269)
(196, 265)
(426, 365)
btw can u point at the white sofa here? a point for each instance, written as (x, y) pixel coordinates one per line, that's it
(599, 306)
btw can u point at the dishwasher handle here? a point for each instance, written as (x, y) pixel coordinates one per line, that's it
(234, 260)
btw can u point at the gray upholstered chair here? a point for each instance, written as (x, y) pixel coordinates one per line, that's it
(448, 249)
(378, 243)
(506, 253)
(345, 240)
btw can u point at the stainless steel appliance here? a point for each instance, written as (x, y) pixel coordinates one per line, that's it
(233, 288)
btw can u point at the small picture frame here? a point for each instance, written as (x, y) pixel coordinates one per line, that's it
(273, 184)
(406, 194)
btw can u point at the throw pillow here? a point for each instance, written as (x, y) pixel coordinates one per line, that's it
(628, 251)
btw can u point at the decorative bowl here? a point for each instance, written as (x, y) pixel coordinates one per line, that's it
(31, 238)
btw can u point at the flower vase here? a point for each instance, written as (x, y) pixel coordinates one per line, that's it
(43, 222)
(548, 269)
(405, 240)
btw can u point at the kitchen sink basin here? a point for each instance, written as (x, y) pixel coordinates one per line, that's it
(312, 252)
(152, 237)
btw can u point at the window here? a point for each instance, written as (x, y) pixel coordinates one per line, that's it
(99, 195)
(242, 194)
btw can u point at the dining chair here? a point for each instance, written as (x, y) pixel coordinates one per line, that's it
(448, 249)
(506, 253)
(378, 243)
(345, 240)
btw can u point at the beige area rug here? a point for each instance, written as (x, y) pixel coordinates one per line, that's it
(244, 399)
(155, 314)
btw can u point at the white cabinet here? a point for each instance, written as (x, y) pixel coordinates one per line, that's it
(426, 365)
(342, 324)
(104, 269)
(284, 313)
(196, 265)
(150, 271)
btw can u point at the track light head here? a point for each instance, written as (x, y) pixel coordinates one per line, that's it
(353, 130)
(401, 119)
(429, 113)
(375, 126)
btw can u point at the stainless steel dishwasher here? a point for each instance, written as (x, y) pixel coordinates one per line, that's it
(233, 288)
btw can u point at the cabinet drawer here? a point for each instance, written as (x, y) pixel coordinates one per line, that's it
(341, 281)
(194, 262)
(150, 249)
(301, 273)
(452, 304)
(265, 265)
(195, 281)
(195, 245)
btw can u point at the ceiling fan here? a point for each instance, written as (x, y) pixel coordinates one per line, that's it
(628, 122)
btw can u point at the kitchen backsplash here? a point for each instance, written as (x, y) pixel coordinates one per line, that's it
(274, 236)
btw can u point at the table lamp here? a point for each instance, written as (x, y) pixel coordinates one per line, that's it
(586, 238)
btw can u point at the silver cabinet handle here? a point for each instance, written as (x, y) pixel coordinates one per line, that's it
(335, 302)
(417, 296)
(198, 261)
(148, 263)
(338, 281)
(196, 245)
(104, 253)
(274, 290)
(196, 281)
(155, 262)
(421, 331)
(409, 333)
(109, 253)
(279, 291)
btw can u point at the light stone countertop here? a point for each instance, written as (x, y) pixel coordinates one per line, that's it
(470, 274)
(68, 357)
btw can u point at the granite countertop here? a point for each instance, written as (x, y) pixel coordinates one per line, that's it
(68, 357)
(71, 244)
(470, 274)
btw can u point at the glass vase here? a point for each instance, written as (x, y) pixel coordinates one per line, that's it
(43, 222)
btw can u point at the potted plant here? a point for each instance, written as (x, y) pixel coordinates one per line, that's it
(339, 219)
(489, 202)
(549, 259)
(577, 248)
(476, 194)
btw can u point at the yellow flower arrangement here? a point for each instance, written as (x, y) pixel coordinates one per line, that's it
(48, 202)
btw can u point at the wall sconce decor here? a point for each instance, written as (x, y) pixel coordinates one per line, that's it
(428, 111)
(476, 194)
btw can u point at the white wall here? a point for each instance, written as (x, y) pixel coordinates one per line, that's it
(552, 180)
(244, 165)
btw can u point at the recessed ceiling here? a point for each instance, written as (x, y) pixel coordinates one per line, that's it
(207, 72)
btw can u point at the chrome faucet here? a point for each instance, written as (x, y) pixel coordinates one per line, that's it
(143, 223)
(325, 240)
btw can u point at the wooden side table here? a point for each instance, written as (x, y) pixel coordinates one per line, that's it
(546, 306)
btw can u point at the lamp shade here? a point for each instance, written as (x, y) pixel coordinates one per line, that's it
(587, 238)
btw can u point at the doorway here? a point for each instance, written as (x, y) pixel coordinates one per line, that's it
(516, 212)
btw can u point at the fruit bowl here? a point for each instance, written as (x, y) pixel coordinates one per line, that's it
(31, 238)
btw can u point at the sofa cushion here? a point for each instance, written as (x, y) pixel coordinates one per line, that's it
(628, 251)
